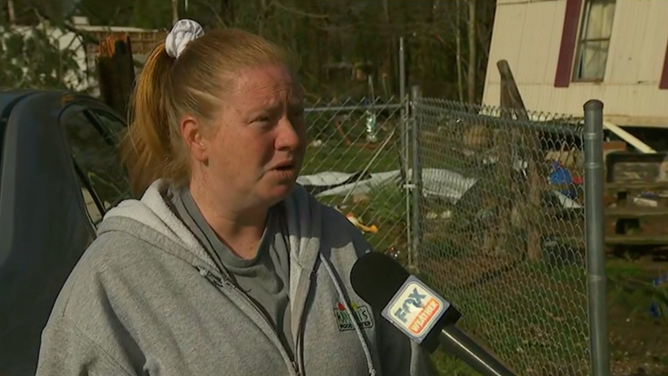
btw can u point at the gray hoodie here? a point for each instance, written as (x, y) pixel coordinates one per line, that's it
(146, 298)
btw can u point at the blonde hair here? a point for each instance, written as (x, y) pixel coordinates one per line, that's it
(194, 83)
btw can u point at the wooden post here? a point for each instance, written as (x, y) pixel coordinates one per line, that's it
(506, 187)
(529, 149)
(116, 75)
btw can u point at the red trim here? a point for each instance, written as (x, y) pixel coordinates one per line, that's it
(663, 84)
(569, 36)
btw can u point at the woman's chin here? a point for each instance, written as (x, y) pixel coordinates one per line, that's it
(279, 192)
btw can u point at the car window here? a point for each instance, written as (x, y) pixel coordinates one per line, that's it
(114, 127)
(95, 155)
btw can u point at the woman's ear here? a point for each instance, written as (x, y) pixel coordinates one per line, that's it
(192, 132)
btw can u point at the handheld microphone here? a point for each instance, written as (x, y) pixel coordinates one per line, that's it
(418, 311)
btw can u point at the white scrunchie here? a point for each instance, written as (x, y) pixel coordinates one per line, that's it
(183, 32)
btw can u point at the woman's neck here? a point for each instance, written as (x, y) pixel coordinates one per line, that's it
(240, 229)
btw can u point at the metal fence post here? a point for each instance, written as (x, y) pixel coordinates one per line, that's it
(594, 238)
(402, 69)
(416, 179)
(405, 142)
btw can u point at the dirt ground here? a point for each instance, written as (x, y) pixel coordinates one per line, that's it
(638, 341)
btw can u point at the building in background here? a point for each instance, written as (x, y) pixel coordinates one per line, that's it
(565, 52)
(85, 53)
(141, 41)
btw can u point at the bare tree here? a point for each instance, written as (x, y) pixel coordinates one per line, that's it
(227, 9)
(10, 12)
(390, 50)
(175, 11)
(263, 18)
(471, 81)
(458, 42)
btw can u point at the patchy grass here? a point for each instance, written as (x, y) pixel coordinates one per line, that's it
(450, 366)
(344, 159)
(386, 208)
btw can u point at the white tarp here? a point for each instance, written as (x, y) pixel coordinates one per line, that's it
(436, 182)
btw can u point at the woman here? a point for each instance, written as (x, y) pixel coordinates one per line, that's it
(225, 266)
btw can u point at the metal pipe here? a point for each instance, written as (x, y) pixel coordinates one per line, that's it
(325, 108)
(404, 144)
(594, 238)
(416, 180)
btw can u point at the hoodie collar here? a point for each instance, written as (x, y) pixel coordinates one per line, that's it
(152, 211)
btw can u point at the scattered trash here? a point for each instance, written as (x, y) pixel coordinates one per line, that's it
(442, 183)
(647, 200)
(436, 182)
(316, 143)
(364, 228)
(562, 176)
(655, 310)
(371, 126)
(393, 252)
(447, 214)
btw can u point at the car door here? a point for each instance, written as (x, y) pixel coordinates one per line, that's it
(56, 150)
(45, 227)
(94, 133)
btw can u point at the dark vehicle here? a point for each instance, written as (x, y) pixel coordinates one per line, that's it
(59, 174)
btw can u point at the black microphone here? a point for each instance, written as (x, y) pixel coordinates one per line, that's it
(418, 311)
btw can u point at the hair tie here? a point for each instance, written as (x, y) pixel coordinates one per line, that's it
(183, 32)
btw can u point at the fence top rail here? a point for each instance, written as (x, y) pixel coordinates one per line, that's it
(537, 121)
(350, 102)
(354, 107)
(443, 109)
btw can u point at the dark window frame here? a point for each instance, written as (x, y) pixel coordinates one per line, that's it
(583, 42)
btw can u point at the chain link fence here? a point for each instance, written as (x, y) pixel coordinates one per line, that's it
(355, 161)
(501, 218)
(500, 226)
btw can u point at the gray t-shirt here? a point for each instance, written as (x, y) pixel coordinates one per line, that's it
(264, 279)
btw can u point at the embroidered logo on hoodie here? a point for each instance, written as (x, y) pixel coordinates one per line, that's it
(362, 316)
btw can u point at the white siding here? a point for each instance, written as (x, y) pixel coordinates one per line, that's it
(528, 35)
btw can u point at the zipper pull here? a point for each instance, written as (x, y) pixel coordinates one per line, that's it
(209, 276)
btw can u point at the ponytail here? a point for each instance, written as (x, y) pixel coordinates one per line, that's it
(146, 149)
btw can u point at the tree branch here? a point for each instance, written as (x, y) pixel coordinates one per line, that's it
(297, 11)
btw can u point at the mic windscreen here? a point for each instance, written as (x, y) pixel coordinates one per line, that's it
(376, 278)
(402, 299)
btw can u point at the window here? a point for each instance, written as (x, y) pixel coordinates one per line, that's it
(94, 151)
(594, 40)
(111, 125)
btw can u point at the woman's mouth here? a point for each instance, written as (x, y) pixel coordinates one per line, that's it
(288, 167)
(285, 171)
